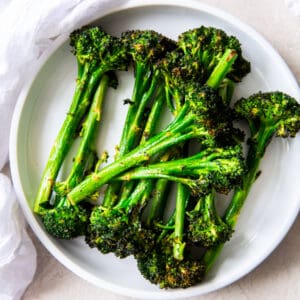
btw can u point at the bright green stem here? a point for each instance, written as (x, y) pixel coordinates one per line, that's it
(81, 83)
(67, 133)
(169, 225)
(226, 90)
(135, 130)
(140, 73)
(126, 190)
(211, 256)
(207, 205)
(80, 68)
(153, 118)
(158, 201)
(139, 196)
(191, 166)
(256, 151)
(169, 100)
(88, 136)
(91, 162)
(182, 197)
(174, 100)
(178, 243)
(162, 175)
(222, 68)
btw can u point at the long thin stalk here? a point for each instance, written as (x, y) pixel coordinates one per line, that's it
(178, 243)
(222, 68)
(158, 201)
(137, 93)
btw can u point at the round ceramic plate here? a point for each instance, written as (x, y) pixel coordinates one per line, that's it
(271, 206)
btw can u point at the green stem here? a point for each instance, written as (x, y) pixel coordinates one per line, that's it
(126, 190)
(158, 201)
(211, 256)
(80, 68)
(137, 93)
(153, 118)
(191, 166)
(191, 183)
(169, 225)
(226, 90)
(182, 198)
(140, 195)
(222, 68)
(208, 206)
(178, 243)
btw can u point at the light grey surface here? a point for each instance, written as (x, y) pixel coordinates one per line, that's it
(278, 276)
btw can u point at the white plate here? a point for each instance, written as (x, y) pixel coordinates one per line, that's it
(274, 200)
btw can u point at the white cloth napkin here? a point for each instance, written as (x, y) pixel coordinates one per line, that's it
(17, 253)
(27, 28)
(294, 6)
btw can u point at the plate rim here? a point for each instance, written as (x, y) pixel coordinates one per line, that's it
(39, 232)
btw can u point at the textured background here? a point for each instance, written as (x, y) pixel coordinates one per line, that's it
(279, 275)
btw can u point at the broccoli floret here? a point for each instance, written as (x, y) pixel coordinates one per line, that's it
(205, 47)
(65, 221)
(276, 113)
(160, 267)
(95, 49)
(205, 55)
(147, 46)
(106, 229)
(119, 229)
(205, 227)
